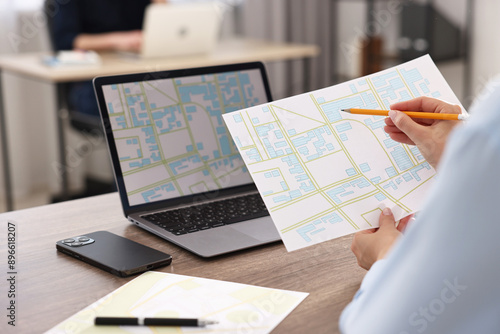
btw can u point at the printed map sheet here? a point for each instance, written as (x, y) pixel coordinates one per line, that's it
(239, 308)
(324, 173)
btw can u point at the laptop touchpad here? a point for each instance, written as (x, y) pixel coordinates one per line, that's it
(261, 229)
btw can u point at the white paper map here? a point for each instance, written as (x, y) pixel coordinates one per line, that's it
(324, 173)
(239, 308)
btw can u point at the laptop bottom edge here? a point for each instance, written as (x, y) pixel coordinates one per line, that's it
(221, 240)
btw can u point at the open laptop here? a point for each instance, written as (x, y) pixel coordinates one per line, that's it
(180, 29)
(178, 172)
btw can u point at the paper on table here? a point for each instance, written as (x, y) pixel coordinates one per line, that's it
(73, 58)
(239, 308)
(323, 173)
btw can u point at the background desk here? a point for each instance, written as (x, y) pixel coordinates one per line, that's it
(53, 286)
(227, 52)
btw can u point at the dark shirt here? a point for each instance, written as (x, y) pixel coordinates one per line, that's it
(95, 17)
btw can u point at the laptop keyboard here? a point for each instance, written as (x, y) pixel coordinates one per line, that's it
(202, 217)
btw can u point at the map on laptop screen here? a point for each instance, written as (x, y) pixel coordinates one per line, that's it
(170, 135)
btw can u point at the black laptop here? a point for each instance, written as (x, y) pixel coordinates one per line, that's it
(177, 169)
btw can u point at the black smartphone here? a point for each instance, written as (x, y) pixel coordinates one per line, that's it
(113, 253)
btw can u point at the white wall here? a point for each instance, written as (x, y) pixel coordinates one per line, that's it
(486, 43)
(29, 108)
(351, 25)
(31, 129)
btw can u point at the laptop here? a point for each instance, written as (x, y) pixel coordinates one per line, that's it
(178, 172)
(180, 29)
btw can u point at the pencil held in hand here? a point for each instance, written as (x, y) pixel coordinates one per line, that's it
(413, 114)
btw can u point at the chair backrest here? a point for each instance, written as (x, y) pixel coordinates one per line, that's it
(79, 121)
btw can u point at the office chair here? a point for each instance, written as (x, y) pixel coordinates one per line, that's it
(84, 123)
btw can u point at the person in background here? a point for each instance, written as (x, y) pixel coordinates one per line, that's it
(442, 276)
(99, 25)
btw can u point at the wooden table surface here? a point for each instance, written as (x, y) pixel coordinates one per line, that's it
(228, 51)
(52, 286)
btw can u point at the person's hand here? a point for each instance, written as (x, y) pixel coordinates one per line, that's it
(429, 135)
(126, 40)
(112, 41)
(372, 245)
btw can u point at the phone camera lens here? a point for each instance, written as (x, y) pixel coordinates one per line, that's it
(78, 241)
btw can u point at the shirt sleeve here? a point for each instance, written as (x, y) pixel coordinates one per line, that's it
(66, 24)
(442, 277)
(367, 284)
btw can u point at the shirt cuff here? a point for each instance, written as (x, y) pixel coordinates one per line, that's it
(372, 274)
(369, 279)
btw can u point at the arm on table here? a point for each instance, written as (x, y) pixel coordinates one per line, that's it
(114, 41)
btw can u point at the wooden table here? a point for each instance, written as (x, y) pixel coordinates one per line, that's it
(52, 286)
(229, 51)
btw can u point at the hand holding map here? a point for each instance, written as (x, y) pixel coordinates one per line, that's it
(323, 173)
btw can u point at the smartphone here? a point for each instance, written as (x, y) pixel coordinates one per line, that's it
(113, 253)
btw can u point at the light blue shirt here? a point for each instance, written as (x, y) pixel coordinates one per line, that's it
(443, 276)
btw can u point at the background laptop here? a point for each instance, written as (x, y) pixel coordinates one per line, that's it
(180, 29)
(172, 155)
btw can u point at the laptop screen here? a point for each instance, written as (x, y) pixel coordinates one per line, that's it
(170, 137)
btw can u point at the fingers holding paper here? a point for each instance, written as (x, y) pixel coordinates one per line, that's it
(372, 245)
(428, 135)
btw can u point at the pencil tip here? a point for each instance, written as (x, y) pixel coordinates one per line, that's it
(346, 110)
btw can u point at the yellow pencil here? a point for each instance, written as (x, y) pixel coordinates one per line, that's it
(413, 114)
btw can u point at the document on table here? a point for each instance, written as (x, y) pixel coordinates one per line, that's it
(238, 308)
(324, 173)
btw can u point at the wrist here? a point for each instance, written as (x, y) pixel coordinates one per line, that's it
(111, 41)
(97, 42)
(382, 254)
